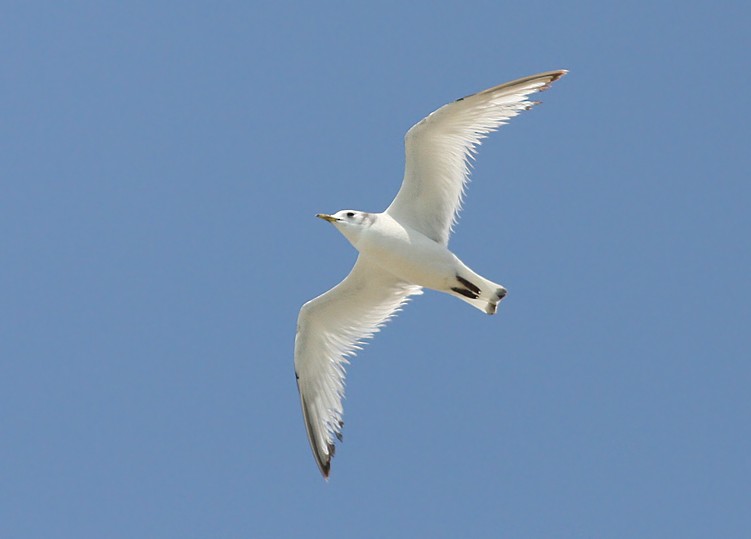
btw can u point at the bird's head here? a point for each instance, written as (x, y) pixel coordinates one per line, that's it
(351, 223)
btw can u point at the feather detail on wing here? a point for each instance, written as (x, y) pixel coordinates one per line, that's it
(439, 149)
(331, 328)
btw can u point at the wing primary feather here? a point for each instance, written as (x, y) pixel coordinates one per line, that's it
(323, 459)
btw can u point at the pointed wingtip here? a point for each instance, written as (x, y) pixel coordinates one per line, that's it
(554, 76)
(324, 459)
(558, 74)
(324, 462)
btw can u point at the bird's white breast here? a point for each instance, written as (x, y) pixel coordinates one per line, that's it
(408, 253)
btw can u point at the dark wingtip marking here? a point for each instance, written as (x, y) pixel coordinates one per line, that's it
(326, 464)
(322, 459)
(554, 76)
(558, 74)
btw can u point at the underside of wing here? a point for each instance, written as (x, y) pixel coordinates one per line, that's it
(331, 328)
(439, 149)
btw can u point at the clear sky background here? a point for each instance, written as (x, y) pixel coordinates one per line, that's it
(161, 164)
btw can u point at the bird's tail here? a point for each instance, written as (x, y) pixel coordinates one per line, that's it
(478, 291)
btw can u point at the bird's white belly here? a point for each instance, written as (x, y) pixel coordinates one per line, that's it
(411, 256)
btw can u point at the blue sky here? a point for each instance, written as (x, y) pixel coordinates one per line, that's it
(161, 166)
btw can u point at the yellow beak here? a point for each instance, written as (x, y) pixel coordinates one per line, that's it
(326, 217)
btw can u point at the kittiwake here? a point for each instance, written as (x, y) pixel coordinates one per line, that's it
(401, 251)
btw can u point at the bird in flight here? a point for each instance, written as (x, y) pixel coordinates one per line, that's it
(401, 251)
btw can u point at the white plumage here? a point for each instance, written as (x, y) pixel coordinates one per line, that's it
(402, 250)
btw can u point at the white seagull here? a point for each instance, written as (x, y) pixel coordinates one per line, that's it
(401, 251)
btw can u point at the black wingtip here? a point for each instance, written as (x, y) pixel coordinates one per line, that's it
(325, 463)
(554, 76)
(323, 460)
(558, 74)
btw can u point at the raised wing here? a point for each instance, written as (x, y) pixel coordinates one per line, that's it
(330, 328)
(440, 146)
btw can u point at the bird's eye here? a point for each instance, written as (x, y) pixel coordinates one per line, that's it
(350, 214)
